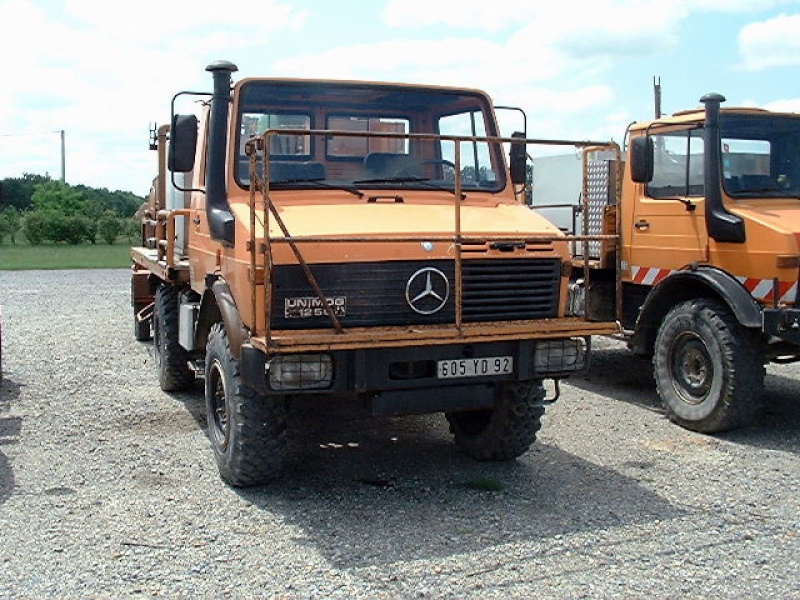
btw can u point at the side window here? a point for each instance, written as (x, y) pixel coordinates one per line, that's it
(476, 159)
(677, 165)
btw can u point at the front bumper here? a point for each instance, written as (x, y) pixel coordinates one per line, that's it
(783, 323)
(405, 376)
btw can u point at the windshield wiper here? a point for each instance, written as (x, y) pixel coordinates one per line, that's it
(320, 183)
(426, 183)
(767, 192)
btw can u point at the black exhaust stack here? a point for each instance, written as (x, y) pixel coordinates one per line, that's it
(220, 219)
(722, 226)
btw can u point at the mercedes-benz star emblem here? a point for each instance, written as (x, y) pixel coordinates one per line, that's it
(427, 291)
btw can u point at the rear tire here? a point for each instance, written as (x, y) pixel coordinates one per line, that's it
(505, 431)
(172, 359)
(708, 368)
(247, 429)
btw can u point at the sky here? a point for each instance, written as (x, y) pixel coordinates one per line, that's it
(102, 72)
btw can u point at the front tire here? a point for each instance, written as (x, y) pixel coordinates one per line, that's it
(172, 359)
(505, 431)
(708, 368)
(247, 429)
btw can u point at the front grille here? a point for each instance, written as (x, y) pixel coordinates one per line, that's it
(374, 294)
(505, 290)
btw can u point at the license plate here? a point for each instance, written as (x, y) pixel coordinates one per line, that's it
(474, 367)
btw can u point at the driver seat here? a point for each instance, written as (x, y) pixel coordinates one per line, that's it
(386, 164)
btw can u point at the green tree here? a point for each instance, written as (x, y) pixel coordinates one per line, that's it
(13, 221)
(132, 229)
(17, 191)
(80, 228)
(109, 227)
(5, 227)
(100, 200)
(56, 228)
(35, 227)
(59, 197)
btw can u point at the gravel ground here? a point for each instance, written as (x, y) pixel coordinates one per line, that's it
(108, 487)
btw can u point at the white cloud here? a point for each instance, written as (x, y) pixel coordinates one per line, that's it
(634, 16)
(103, 71)
(734, 6)
(770, 43)
(150, 21)
(374, 61)
(460, 14)
(784, 105)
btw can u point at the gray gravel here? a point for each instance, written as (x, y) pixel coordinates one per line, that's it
(108, 487)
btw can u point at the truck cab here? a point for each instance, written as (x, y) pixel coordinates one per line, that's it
(704, 281)
(353, 239)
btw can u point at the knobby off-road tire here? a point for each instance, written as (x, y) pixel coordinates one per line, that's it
(171, 358)
(247, 429)
(709, 369)
(505, 431)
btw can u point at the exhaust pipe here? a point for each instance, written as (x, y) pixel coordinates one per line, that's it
(220, 218)
(721, 225)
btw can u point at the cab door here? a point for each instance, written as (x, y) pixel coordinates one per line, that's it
(667, 228)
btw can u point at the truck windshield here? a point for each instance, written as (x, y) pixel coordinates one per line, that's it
(356, 135)
(760, 155)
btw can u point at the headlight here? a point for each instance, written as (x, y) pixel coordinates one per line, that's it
(300, 372)
(553, 357)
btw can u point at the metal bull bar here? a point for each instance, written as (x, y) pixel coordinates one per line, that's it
(257, 150)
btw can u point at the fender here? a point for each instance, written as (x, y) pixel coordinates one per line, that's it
(218, 305)
(695, 282)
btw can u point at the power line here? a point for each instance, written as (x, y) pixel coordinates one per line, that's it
(27, 133)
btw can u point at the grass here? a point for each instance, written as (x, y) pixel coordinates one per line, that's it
(23, 256)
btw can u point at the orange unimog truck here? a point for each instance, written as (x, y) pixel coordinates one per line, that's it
(339, 238)
(707, 207)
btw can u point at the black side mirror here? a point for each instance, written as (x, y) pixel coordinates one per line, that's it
(517, 157)
(642, 159)
(182, 143)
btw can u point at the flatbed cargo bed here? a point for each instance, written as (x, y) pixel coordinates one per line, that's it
(176, 270)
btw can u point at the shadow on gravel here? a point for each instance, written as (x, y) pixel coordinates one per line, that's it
(399, 490)
(619, 376)
(616, 373)
(777, 427)
(10, 429)
(194, 402)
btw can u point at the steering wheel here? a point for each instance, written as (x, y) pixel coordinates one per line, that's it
(408, 170)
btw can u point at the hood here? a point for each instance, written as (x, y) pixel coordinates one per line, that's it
(404, 219)
(781, 216)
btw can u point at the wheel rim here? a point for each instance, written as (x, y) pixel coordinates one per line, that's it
(219, 409)
(692, 368)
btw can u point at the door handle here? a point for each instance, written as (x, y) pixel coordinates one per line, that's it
(641, 225)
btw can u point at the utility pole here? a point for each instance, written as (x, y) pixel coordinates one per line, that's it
(63, 159)
(657, 96)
